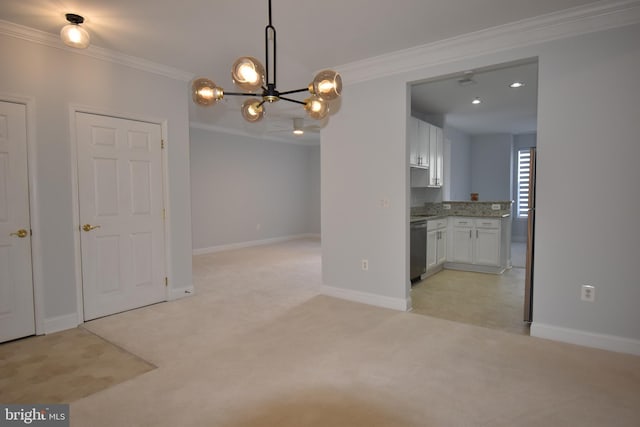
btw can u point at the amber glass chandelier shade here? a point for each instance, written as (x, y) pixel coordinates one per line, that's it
(205, 92)
(252, 110)
(316, 107)
(248, 73)
(327, 84)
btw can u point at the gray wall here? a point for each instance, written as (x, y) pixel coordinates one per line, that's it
(57, 78)
(587, 175)
(491, 173)
(245, 189)
(458, 157)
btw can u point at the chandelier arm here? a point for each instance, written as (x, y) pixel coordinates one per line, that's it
(294, 91)
(241, 93)
(293, 100)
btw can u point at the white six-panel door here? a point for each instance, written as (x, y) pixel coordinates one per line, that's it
(121, 214)
(16, 282)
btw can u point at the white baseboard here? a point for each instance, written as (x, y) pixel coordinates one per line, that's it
(251, 243)
(367, 298)
(587, 339)
(60, 323)
(178, 293)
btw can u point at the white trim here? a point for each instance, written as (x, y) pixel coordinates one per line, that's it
(179, 293)
(36, 36)
(367, 298)
(168, 270)
(251, 243)
(587, 339)
(60, 323)
(230, 131)
(571, 22)
(477, 268)
(75, 203)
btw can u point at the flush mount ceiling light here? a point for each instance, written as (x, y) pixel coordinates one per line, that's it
(298, 126)
(516, 85)
(259, 83)
(73, 34)
(476, 101)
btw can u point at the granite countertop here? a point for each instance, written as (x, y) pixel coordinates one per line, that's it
(415, 218)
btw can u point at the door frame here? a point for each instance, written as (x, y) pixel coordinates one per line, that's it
(77, 108)
(34, 212)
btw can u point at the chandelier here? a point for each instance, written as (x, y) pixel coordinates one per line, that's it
(259, 84)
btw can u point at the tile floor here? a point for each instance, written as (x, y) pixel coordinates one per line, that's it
(488, 300)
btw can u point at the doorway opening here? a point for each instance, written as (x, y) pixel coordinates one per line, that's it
(488, 121)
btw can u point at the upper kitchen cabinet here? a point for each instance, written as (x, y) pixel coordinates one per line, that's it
(436, 155)
(419, 134)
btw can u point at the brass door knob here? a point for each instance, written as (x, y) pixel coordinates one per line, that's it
(22, 233)
(89, 227)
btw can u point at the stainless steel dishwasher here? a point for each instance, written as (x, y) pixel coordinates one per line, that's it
(418, 249)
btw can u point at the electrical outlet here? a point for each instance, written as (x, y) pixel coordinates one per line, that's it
(384, 203)
(588, 293)
(495, 207)
(446, 206)
(365, 264)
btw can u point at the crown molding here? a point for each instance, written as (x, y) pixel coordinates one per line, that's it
(598, 16)
(36, 36)
(238, 132)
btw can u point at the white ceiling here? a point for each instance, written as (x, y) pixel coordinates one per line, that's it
(204, 37)
(502, 109)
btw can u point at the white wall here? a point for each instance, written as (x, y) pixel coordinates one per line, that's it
(364, 161)
(245, 189)
(587, 184)
(588, 129)
(491, 173)
(56, 79)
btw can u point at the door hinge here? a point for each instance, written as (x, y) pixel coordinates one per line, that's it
(162, 144)
(166, 281)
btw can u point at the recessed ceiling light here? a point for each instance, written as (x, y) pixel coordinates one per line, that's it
(476, 101)
(516, 84)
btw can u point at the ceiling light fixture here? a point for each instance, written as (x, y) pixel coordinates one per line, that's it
(476, 101)
(73, 34)
(298, 126)
(249, 75)
(516, 85)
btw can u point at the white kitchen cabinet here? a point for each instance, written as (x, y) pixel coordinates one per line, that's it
(487, 243)
(476, 245)
(436, 156)
(436, 244)
(418, 143)
(462, 240)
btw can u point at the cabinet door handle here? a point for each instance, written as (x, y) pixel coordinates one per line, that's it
(476, 234)
(469, 233)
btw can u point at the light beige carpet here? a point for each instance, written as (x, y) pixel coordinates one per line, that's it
(63, 367)
(257, 346)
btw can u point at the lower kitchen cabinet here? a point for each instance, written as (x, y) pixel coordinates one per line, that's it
(476, 245)
(436, 245)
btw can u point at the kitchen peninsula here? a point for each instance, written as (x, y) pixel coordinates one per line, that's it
(470, 236)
